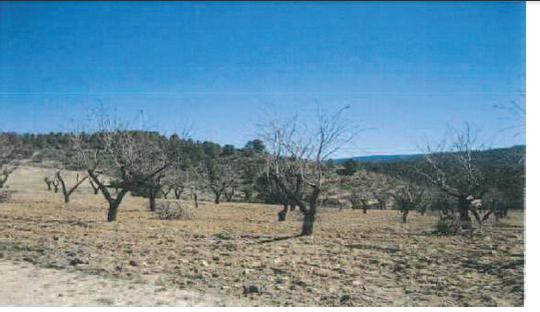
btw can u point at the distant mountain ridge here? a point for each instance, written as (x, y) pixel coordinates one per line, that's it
(380, 158)
(405, 157)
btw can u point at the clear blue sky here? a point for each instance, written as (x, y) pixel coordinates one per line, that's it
(407, 69)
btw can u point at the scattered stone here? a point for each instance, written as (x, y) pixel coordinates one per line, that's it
(344, 299)
(252, 289)
(224, 236)
(76, 261)
(28, 259)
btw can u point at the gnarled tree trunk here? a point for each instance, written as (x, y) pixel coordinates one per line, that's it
(178, 192)
(282, 215)
(152, 195)
(196, 199)
(94, 187)
(65, 191)
(48, 182)
(463, 209)
(404, 215)
(114, 202)
(308, 223)
(217, 197)
(229, 196)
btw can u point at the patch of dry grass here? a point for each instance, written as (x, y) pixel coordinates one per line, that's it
(353, 259)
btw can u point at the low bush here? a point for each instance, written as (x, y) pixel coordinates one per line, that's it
(173, 210)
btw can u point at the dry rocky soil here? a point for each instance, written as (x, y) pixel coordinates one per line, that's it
(53, 253)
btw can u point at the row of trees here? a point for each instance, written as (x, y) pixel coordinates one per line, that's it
(293, 169)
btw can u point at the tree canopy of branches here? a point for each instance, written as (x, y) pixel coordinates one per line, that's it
(455, 169)
(409, 196)
(220, 175)
(121, 159)
(66, 190)
(296, 162)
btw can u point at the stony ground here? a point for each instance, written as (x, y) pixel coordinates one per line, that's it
(36, 286)
(352, 260)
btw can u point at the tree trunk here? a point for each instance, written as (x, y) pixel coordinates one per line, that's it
(114, 204)
(404, 216)
(282, 215)
(94, 187)
(247, 196)
(309, 223)
(229, 196)
(218, 196)
(463, 209)
(477, 216)
(152, 202)
(48, 184)
(166, 193)
(67, 192)
(196, 200)
(113, 210)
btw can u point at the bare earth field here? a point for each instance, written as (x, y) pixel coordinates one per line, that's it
(352, 260)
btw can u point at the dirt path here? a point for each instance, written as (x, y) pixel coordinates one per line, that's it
(26, 284)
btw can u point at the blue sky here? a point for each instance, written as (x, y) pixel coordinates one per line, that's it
(407, 69)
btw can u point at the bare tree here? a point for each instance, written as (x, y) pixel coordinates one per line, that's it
(66, 190)
(409, 196)
(220, 176)
(358, 201)
(381, 201)
(297, 159)
(195, 177)
(455, 170)
(166, 190)
(271, 193)
(177, 181)
(56, 184)
(48, 182)
(251, 166)
(130, 158)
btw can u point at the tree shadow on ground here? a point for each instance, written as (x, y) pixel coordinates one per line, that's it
(277, 239)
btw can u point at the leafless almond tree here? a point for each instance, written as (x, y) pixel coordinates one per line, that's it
(298, 155)
(408, 196)
(66, 190)
(454, 169)
(56, 184)
(220, 176)
(48, 182)
(129, 158)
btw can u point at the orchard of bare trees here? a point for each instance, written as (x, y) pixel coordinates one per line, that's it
(290, 165)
